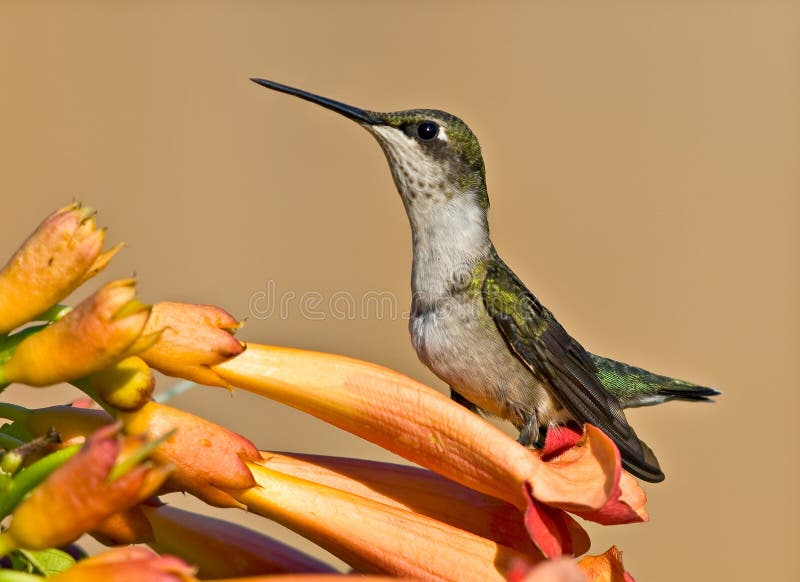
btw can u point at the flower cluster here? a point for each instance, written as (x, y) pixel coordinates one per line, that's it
(478, 506)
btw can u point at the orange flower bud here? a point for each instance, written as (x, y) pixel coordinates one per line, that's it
(94, 335)
(62, 253)
(128, 565)
(222, 549)
(209, 460)
(194, 338)
(80, 495)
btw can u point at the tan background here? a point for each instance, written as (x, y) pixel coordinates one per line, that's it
(642, 162)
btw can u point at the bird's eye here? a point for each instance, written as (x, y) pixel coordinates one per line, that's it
(427, 130)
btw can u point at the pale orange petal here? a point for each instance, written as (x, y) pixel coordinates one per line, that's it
(373, 537)
(220, 548)
(413, 489)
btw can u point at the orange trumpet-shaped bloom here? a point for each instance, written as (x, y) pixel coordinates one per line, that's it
(373, 537)
(80, 494)
(96, 334)
(418, 423)
(420, 491)
(194, 338)
(63, 252)
(128, 565)
(209, 460)
(219, 548)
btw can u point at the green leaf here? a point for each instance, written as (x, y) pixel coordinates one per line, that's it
(48, 562)
(9, 442)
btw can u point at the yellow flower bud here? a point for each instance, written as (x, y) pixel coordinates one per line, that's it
(125, 385)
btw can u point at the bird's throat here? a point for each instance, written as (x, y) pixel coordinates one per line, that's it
(448, 245)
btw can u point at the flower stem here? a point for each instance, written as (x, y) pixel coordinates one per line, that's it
(9, 442)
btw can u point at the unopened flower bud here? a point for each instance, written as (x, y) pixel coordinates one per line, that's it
(194, 338)
(96, 334)
(63, 252)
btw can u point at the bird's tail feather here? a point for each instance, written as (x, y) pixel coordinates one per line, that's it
(637, 387)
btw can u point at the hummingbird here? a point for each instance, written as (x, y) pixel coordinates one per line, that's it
(473, 322)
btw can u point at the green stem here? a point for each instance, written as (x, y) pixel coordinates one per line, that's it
(9, 442)
(31, 476)
(55, 313)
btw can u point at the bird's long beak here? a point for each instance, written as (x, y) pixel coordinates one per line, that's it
(354, 113)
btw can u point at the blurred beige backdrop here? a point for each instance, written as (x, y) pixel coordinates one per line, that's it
(642, 160)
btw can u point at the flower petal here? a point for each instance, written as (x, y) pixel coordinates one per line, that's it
(373, 537)
(626, 503)
(413, 489)
(219, 548)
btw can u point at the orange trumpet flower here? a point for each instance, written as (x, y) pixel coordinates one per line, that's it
(418, 423)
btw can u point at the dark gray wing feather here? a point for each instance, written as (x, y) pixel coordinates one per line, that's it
(551, 354)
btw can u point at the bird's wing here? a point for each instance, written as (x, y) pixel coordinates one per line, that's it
(539, 341)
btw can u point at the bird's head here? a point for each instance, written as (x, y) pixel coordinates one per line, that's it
(435, 158)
